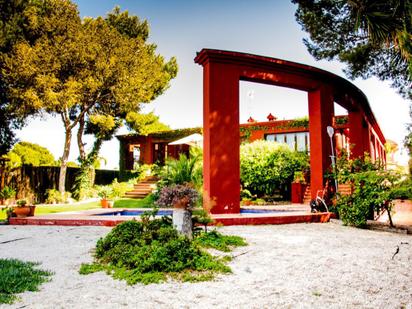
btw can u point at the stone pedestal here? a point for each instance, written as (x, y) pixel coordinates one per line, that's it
(182, 221)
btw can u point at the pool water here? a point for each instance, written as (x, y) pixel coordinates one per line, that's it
(170, 212)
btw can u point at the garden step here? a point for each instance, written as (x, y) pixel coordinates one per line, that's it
(142, 188)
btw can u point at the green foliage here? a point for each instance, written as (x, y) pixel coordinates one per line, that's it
(302, 122)
(402, 190)
(120, 188)
(373, 189)
(83, 183)
(91, 73)
(372, 192)
(104, 192)
(219, 241)
(145, 124)
(408, 142)
(17, 277)
(200, 217)
(184, 170)
(150, 251)
(86, 269)
(176, 134)
(7, 192)
(56, 197)
(371, 37)
(29, 153)
(268, 166)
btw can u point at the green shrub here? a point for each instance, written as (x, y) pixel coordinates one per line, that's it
(268, 166)
(7, 193)
(55, 197)
(372, 192)
(402, 190)
(17, 277)
(150, 251)
(119, 189)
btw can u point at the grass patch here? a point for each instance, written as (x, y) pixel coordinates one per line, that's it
(151, 251)
(147, 202)
(17, 277)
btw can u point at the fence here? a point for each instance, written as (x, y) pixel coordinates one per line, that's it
(33, 181)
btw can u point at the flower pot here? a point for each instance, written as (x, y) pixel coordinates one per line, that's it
(182, 203)
(104, 202)
(110, 204)
(22, 211)
(32, 209)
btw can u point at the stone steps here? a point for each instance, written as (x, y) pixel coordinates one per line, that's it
(142, 188)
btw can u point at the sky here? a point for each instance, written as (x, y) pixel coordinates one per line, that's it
(180, 28)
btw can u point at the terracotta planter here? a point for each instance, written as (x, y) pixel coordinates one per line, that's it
(23, 211)
(105, 203)
(182, 203)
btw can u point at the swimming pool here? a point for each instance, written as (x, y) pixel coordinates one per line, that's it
(170, 212)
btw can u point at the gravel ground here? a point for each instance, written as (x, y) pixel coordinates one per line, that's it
(284, 266)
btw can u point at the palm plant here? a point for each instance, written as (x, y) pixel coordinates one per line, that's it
(184, 170)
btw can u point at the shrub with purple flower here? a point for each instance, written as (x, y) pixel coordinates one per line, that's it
(171, 195)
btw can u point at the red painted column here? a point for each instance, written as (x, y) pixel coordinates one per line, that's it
(321, 111)
(221, 172)
(356, 134)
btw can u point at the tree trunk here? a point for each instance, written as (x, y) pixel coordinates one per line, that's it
(82, 152)
(64, 159)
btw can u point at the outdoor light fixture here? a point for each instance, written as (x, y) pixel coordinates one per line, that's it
(331, 131)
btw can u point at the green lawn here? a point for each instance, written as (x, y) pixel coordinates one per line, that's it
(147, 202)
(120, 203)
(49, 209)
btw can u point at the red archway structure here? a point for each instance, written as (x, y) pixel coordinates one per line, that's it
(222, 71)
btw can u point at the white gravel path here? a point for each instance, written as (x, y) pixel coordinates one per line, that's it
(284, 266)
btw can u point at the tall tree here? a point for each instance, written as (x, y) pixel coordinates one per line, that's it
(15, 26)
(91, 73)
(373, 37)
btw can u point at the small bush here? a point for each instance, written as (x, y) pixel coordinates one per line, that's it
(55, 197)
(119, 189)
(150, 251)
(17, 277)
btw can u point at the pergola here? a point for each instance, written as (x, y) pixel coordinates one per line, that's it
(222, 71)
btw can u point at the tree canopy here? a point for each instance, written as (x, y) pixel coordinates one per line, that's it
(373, 37)
(90, 73)
(145, 124)
(29, 153)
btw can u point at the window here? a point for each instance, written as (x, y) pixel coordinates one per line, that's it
(296, 141)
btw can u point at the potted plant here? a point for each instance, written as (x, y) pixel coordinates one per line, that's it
(298, 188)
(22, 209)
(182, 198)
(104, 193)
